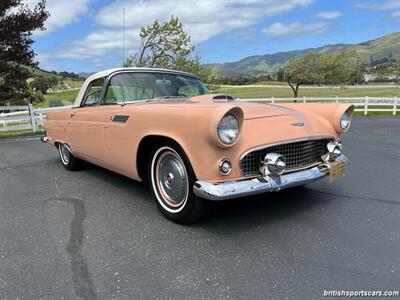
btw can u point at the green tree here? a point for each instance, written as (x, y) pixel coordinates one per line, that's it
(17, 22)
(339, 69)
(303, 70)
(167, 45)
(53, 81)
(41, 84)
(34, 96)
(395, 68)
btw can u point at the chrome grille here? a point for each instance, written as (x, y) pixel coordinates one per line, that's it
(298, 155)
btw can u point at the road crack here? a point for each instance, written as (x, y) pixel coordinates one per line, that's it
(82, 282)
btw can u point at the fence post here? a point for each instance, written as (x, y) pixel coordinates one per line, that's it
(273, 100)
(3, 121)
(33, 118)
(337, 99)
(304, 99)
(366, 106)
(394, 106)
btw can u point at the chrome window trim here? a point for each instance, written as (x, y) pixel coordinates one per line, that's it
(87, 92)
(157, 71)
(160, 71)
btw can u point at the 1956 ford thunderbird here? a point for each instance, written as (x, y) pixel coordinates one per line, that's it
(163, 126)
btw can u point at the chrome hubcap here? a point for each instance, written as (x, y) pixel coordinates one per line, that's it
(171, 178)
(64, 153)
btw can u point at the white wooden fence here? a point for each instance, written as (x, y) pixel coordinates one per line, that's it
(27, 117)
(24, 117)
(361, 104)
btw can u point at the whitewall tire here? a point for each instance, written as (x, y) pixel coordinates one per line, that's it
(171, 180)
(68, 160)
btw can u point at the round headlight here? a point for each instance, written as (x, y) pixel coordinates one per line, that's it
(345, 120)
(228, 129)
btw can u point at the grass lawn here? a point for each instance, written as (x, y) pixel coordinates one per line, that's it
(267, 92)
(66, 97)
(19, 133)
(74, 83)
(270, 83)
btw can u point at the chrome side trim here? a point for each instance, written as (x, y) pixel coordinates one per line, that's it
(241, 188)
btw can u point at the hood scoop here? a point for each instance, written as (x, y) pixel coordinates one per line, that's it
(213, 98)
(223, 98)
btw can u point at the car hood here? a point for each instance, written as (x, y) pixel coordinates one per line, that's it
(257, 111)
(251, 110)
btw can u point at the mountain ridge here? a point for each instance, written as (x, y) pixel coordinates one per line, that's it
(381, 50)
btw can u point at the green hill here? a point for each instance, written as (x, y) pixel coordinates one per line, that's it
(34, 72)
(371, 53)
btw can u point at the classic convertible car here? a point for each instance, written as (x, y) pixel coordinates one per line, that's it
(163, 126)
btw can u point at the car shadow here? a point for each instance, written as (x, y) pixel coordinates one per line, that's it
(234, 214)
(139, 189)
(258, 210)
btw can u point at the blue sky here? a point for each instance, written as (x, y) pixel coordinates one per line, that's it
(86, 35)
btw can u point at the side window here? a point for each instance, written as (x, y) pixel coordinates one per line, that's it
(93, 93)
(129, 87)
(189, 91)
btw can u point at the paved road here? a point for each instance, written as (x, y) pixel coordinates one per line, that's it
(95, 234)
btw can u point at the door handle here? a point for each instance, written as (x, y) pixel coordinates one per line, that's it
(73, 114)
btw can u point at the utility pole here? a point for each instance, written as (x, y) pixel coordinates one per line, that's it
(123, 36)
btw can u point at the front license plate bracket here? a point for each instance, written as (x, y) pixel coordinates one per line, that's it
(336, 169)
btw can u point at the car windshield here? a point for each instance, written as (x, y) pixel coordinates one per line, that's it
(134, 86)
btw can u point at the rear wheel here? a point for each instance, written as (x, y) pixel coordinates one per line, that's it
(171, 180)
(69, 161)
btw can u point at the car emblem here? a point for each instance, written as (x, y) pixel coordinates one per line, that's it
(299, 124)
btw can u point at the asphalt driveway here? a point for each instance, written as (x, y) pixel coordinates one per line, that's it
(96, 234)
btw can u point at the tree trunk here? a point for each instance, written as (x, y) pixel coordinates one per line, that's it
(295, 90)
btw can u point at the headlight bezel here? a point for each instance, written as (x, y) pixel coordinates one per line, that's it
(346, 116)
(343, 111)
(228, 117)
(345, 121)
(219, 113)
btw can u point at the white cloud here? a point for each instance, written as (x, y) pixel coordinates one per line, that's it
(295, 28)
(62, 12)
(380, 5)
(396, 14)
(328, 15)
(100, 42)
(202, 19)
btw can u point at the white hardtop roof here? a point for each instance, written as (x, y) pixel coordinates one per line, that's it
(108, 72)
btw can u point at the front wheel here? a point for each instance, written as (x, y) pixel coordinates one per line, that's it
(171, 180)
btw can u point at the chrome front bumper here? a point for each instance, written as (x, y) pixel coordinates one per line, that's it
(253, 186)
